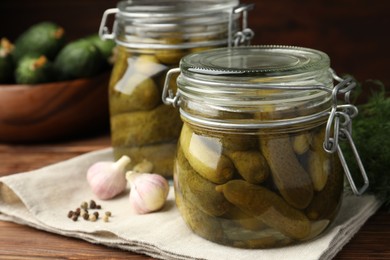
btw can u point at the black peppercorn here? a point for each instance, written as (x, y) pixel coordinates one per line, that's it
(92, 204)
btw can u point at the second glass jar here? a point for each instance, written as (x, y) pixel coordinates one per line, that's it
(152, 37)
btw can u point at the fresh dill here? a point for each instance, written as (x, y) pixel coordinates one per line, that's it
(371, 135)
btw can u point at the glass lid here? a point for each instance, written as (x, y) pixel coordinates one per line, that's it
(255, 61)
(143, 8)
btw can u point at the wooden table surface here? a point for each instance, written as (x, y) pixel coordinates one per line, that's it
(23, 242)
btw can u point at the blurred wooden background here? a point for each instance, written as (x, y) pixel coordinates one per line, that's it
(354, 33)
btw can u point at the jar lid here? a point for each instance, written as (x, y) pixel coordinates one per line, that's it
(255, 61)
(168, 8)
(173, 24)
(294, 83)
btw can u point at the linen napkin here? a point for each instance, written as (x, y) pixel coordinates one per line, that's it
(43, 197)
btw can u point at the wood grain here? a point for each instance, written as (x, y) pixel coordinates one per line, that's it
(51, 111)
(22, 242)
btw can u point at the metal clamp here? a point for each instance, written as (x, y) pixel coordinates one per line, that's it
(355, 190)
(104, 32)
(243, 37)
(340, 125)
(168, 97)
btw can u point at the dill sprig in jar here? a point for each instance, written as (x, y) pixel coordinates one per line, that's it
(151, 38)
(258, 163)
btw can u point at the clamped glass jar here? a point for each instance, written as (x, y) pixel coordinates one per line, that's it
(257, 163)
(152, 36)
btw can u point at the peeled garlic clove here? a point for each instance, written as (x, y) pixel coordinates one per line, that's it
(148, 192)
(107, 179)
(144, 166)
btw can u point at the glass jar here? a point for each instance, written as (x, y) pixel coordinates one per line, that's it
(152, 37)
(256, 163)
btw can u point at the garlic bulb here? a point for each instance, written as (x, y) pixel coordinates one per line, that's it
(107, 179)
(148, 191)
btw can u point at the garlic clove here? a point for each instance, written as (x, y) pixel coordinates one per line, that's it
(107, 179)
(143, 166)
(132, 175)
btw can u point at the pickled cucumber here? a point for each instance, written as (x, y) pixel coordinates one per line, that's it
(319, 165)
(204, 154)
(266, 112)
(266, 205)
(161, 124)
(238, 142)
(120, 55)
(317, 227)
(251, 165)
(132, 84)
(265, 242)
(289, 176)
(301, 143)
(147, 65)
(202, 224)
(134, 94)
(326, 203)
(245, 220)
(170, 57)
(198, 190)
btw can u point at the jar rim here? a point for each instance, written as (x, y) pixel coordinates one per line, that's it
(166, 8)
(262, 61)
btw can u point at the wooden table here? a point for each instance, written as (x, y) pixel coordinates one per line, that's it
(22, 242)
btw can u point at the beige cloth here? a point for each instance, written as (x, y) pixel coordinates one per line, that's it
(42, 199)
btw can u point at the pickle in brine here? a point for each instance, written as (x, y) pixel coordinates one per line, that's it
(198, 190)
(245, 220)
(301, 143)
(171, 56)
(141, 94)
(251, 165)
(319, 163)
(291, 179)
(238, 142)
(202, 224)
(326, 202)
(204, 154)
(120, 65)
(318, 166)
(161, 124)
(266, 205)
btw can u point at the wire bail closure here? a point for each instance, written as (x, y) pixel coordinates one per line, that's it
(168, 97)
(104, 32)
(340, 123)
(240, 38)
(243, 37)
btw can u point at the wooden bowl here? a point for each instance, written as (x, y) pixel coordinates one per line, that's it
(52, 111)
